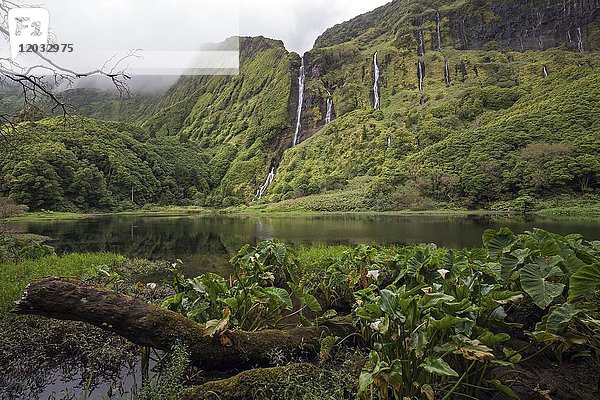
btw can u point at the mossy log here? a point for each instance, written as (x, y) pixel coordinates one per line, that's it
(260, 382)
(152, 326)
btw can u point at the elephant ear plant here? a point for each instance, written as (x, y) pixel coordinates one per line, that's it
(256, 296)
(437, 329)
(436, 322)
(427, 343)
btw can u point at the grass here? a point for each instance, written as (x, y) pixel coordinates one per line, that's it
(153, 210)
(14, 277)
(313, 257)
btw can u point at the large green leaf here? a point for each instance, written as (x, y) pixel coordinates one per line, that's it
(437, 366)
(499, 242)
(497, 298)
(447, 321)
(535, 280)
(560, 316)
(280, 295)
(306, 298)
(455, 262)
(418, 342)
(543, 241)
(390, 305)
(432, 299)
(584, 281)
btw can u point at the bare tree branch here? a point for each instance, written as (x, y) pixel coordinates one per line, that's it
(45, 81)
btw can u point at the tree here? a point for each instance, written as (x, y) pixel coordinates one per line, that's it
(8, 209)
(585, 169)
(89, 189)
(35, 184)
(38, 83)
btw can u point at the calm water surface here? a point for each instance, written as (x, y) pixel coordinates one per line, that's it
(205, 243)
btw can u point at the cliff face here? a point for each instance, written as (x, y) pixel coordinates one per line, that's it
(444, 68)
(244, 121)
(513, 24)
(451, 75)
(529, 25)
(425, 26)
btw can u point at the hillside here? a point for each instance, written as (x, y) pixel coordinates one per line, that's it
(479, 104)
(473, 132)
(86, 165)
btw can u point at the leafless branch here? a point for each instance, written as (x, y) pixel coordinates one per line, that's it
(42, 82)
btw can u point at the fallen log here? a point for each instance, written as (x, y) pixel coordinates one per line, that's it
(259, 383)
(148, 325)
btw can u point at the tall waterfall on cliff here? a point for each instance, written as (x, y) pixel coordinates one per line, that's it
(300, 102)
(329, 114)
(263, 189)
(421, 74)
(544, 71)
(447, 74)
(580, 47)
(421, 43)
(438, 23)
(376, 103)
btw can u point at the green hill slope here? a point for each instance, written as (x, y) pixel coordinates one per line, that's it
(81, 164)
(472, 134)
(482, 102)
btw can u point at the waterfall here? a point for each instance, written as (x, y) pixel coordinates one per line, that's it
(263, 189)
(447, 74)
(544, 71)
(389, 142)
(438, 23)
(329, 114)
(421, 74)
(421, 43)
(580, 41)
(376, 103)
(300, 102)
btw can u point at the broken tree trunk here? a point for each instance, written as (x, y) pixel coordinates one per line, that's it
(152, 326)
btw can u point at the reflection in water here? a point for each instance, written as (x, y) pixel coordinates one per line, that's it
(205, 243)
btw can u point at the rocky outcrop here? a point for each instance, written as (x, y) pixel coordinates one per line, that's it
(528, 25)
(511, 24)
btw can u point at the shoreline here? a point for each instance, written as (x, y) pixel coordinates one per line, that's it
(197, 211)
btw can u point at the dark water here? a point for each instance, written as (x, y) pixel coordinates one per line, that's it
(206, 242)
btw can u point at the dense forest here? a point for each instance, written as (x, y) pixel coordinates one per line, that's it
(80, 164)
(500, 117)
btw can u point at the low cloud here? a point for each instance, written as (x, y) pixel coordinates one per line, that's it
(298, 22)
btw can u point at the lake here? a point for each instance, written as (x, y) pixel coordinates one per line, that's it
(205, 242)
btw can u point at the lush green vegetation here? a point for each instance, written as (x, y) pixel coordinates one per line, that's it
(485, 138)
(429, 320)
(499, 136)
(86, 165)
(437, 322)
(243, 121)
(16, 276)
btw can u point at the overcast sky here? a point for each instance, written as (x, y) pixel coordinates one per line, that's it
(298, 22)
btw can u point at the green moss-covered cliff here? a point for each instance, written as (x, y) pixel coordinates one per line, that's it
(505, 108)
